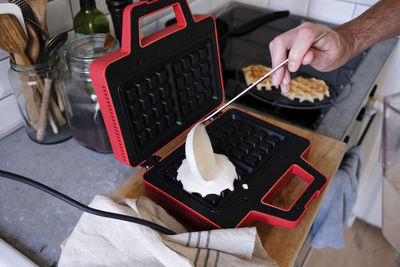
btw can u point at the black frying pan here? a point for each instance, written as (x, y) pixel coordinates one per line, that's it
(224, 31)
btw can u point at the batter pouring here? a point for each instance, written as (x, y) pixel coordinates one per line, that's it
(203, 171)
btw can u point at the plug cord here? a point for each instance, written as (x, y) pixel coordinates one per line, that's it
(76, 204)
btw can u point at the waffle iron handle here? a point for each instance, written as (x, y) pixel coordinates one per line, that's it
(291, 217)
(145, 8)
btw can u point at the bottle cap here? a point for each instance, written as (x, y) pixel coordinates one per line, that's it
(87, 3)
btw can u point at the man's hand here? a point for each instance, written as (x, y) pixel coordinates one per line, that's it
(329, 53)
(378, 23)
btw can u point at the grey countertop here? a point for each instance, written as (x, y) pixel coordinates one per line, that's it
(340, 117)
(34, 222)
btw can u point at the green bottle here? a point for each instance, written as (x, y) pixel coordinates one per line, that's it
(90, 20)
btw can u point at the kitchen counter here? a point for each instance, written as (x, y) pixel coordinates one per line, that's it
(34, 222)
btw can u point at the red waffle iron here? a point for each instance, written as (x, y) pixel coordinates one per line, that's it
(156, 87)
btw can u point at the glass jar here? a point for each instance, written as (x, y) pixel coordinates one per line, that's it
(83, 110)
(391, 170)
(37, 92)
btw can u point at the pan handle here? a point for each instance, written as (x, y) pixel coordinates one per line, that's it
(290, 218)
(257, 22)
(137, 11)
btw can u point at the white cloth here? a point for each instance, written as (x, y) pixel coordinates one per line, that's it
(99, 241)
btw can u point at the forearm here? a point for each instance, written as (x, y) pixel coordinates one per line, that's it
(380, 22)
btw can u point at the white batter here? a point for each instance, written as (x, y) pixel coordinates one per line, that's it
(203, 171)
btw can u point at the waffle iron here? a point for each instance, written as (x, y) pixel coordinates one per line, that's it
(154, 88)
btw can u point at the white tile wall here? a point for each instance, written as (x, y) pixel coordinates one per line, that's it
(163, 18)
(220, 4)
(200, 6)
(10, 117)
(5, 86)
(331, 10)
(298, 7)
(334, 11)
(57, 23)
(259, 3)
(148, 29)
(364, 2)
(359, 10)
(168, 12)
(3, 54)
(196, 6)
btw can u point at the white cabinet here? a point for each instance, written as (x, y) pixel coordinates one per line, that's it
(369, 202)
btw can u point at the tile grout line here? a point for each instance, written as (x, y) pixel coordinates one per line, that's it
(354, 2)
(308, 9)
(6, 96)
(71, 12)
(354, 11)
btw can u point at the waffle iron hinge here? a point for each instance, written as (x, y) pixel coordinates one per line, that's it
(153, 160)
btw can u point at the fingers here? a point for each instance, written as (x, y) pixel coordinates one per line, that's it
(308, 57)
(285, 85)
(298, 45)
(279, 51)
(278, 54)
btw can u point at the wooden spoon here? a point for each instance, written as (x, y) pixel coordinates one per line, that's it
(108, 42)
(33, 48)
(13, 38)
(39, 8)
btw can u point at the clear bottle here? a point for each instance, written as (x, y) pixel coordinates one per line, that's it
(391, 171)
(89, 20)
(83, 110)
(43, 113)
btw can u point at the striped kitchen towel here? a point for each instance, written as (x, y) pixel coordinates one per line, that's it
(99, 241)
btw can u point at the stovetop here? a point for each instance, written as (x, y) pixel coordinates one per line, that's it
(252, 48)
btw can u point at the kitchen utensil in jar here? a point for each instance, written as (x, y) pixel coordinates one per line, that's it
(30, 16)
(39, 9)
(33, 48)
(10, 8)
(109, 41)
(55, 43)
(33, 94)
(14, 39)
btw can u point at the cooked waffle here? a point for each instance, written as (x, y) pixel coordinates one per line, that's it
(307, 89)
(253, 73)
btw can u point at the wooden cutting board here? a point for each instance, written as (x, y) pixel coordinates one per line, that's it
(283, 245)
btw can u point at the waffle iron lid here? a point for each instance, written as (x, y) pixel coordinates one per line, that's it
(163, 83)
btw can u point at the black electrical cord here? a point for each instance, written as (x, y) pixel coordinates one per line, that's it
(76, 204)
